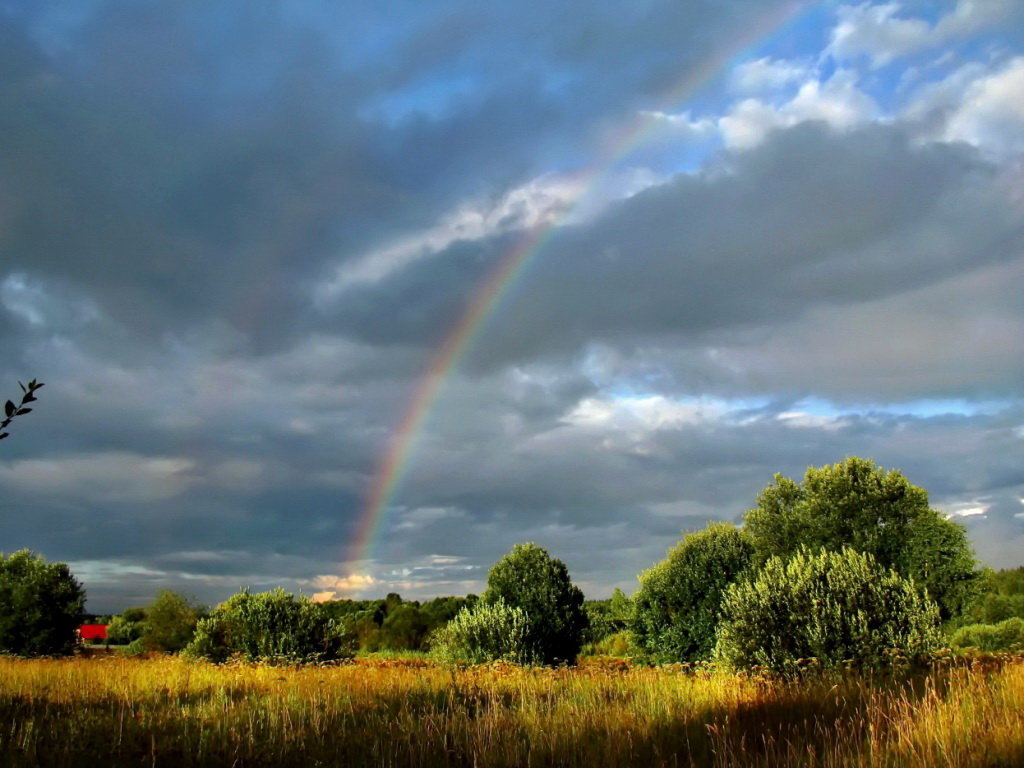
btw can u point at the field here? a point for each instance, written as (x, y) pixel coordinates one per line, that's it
(118, 711)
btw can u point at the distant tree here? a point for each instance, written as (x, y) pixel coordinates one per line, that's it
(528, 578)
(1007, 635)
(12, 411)
(128, 627)
(857, 504)
(170, 622)
(41, 605)
(832, 606)
(274, 627)
(678, 605)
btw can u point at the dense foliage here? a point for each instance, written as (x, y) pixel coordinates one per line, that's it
(857, 504)
(167, 624)
(271, 626)
(530, 579)
(1000, 597)
(487, 632)
(832, 606)
(395, 624)
(41, 605)
(676, 609)
(1005, 635)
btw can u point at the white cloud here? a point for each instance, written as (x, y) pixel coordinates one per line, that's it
(329, 586)
(837, 101)
(649, 412)
(767, 74)
(541, 201)
(991, 112)
(881, 34)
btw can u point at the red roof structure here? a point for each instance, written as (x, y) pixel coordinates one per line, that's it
(93, 631)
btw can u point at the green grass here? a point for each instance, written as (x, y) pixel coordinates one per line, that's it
(117, 711)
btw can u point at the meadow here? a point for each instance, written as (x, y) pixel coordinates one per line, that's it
(118, 711)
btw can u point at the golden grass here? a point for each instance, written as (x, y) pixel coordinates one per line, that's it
(118, 712)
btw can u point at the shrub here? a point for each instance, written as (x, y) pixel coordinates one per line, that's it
(530, 579)
(831, 606)
(676, 609)
(487, 632)
(41, 605)
(273, 627)
(1006, 635)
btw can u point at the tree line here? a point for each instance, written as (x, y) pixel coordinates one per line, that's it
(847, 566)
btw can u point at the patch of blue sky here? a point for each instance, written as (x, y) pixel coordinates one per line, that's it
(431, 99)
(920, 408)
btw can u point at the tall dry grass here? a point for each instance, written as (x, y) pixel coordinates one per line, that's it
(120, 712)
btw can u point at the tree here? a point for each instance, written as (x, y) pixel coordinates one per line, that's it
(528, 578)
(41, 605)
(11, 411)
(831, 606)
(273, 627)
(677, 608)
(170, 622)
(857, 504)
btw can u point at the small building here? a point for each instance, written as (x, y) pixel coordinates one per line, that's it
(92, 633)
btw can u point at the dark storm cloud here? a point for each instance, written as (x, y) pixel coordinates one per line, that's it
(812, 218)
(182, 162)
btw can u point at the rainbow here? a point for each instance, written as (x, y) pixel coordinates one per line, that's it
(507, 271)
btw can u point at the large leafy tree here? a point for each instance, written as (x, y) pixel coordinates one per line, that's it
(857, 504)
(529, 579)
(676, 609)
(41, 605)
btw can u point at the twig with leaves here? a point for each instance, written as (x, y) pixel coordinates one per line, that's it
(11, 410)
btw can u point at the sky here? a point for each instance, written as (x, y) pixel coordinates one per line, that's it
(350, 298)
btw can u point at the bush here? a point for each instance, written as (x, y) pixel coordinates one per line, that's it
(274, 627)
(831, 606)
(41, 606)
(1004, 636)
(676, 609)
(487, 632)
(621, 644)
(530, 579)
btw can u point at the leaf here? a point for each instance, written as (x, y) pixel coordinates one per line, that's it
(23, 411)
(28, 399)
(9, 409)
(3, 435)
(22, 387)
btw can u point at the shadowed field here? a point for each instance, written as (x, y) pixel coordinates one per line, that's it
(120, 712)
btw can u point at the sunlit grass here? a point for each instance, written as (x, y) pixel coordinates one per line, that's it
(120, 711)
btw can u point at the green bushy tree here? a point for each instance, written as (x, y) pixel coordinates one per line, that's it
(41, 605)
(676, 610)
(857, 504)
(489, 631)
(530, 579)
(1005, 635)
(831, 606)
(274, 627)
(170, 622)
